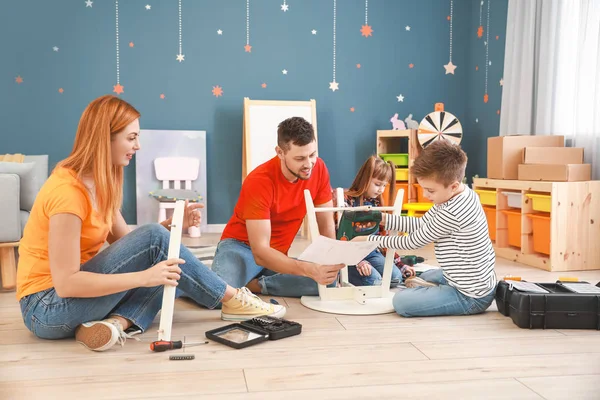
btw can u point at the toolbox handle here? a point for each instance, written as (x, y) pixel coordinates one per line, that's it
(541, 313)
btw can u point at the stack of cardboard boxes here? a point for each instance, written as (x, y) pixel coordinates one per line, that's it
(535, 158)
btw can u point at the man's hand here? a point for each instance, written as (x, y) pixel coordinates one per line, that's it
(364, 268)
(360, 239)
(324, 274)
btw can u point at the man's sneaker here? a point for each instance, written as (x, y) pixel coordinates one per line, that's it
(102, 335)
(415, 281)
(245, 305)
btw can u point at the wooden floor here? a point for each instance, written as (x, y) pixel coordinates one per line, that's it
(336, 357)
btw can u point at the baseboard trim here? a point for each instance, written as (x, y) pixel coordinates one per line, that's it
(210, 228)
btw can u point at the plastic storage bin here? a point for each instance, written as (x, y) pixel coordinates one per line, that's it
(514, 199)
(541, 232)
(398, 187)
(490, 215)
(399, 159)
(541, 202)
(514, 227)
(401, 174)
(487, 197)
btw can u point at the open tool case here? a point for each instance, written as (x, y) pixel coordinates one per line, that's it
(560, 308)
(254, 331)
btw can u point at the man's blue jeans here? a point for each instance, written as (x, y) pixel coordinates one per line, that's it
(440, 300)
(235, 264)
(49, 316)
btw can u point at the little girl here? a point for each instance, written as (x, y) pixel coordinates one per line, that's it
(367, 189)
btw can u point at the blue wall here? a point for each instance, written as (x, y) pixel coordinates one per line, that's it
(37, 119)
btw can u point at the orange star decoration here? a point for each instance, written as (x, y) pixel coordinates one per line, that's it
(351, 109)
(130, 44)
(448, 18)
(498, 112)
(480, 32)
(486, 98)
(366, 30)
(264, 85)
(411, 65)
(358, 66)
(477, 68)
(162, 95)
(61, 90)
(497, 37)
(18, 79)
(118, 89)
(217, 91)
(248, 48)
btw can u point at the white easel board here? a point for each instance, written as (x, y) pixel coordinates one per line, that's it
(261, 118)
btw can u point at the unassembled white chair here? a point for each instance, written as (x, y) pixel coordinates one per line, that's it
(180, 171)
(347, 298)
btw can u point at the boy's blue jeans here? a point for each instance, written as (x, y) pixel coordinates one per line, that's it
(377, 261)
(49, 316)
(235, 264)
(440, 300)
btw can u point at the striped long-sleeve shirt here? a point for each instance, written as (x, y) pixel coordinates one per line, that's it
(459, 230)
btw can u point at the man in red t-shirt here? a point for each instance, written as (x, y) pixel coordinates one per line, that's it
(269, 212)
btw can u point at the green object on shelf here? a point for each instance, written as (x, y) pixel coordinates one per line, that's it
(399, 159)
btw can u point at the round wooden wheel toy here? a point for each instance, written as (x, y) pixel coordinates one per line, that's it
(439, 125)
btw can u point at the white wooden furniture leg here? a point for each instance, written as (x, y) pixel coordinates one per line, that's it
(168, 301)
(349, 299)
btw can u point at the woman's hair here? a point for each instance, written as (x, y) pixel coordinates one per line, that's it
(91, 155)
(373, 168)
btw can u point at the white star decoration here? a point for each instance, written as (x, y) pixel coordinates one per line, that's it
(219, 32)
(89, 3)
(180, 57)
(450, 68)
(55, 48)
(490, 63)
(407, 28)
(284, 72)
(148, 6)
(284, 7)
(400, 98)
(334, 86)
(314, 31)
(501, 81)
(476, 120)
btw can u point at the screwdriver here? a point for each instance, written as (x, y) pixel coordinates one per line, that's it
(164, 345)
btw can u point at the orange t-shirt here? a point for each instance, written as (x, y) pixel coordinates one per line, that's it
(266, 194)
(62, 193)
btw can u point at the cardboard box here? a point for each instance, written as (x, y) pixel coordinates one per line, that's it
(553, 155)
(555, 172)
(505, 153)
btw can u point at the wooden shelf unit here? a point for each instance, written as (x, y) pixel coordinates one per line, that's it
(574, 223)
(401, 141)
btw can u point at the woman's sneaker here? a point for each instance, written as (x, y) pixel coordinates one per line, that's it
(102, 335)
(245, 305)
(415, 281)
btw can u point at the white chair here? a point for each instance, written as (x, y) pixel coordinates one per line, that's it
(347, 298)
(182, 171)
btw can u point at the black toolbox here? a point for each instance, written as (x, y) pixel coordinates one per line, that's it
(559, 309)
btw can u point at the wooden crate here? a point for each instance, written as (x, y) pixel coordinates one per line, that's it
(574, 223)
(393, 141)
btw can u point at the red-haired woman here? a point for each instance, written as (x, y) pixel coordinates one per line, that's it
(66, 287)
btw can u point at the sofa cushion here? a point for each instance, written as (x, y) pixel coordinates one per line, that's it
(28, 181)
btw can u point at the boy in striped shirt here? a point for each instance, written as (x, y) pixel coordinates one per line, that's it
(456, 224)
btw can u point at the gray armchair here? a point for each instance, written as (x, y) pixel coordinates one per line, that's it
(19, 185)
